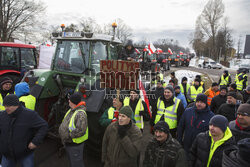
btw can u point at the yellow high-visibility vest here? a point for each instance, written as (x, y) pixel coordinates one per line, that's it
(195, 92)
(139, 107)
(170, 113)
(182, 89)
(73, 127)
(29, 101)
(224, 81)
(111, 113)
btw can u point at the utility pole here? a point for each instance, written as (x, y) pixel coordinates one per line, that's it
(238, 47)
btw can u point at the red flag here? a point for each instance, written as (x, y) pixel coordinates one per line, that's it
(151, 47)
(170, 51)
(137, 51)
(144, 95)
(181, 53)
(158, 50)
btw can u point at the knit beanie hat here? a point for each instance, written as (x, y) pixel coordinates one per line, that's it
(244, 149)
(177, 87)
(184, 79)
(75, 98)
(223, 87)
(126, 110)
(248, 88)
(5, 80)
(244, 108)
(162, 126)
(214, 84)
(202, 97)
(170, 87)
(233, 94)
(11, 100)
(219, 121)
(172, 73)
(21, 89)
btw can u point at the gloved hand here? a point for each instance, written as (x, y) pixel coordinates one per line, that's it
(122, 131)
(114, 120)
(146, 116)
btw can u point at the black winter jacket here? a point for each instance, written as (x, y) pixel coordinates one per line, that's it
(216, 102)
(228, 110)
(237, 132)
(200, 150)
(246, 96)
(169, 153)
(125, 53)
(18, 129)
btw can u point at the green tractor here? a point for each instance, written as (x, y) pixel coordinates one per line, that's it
(75, 67)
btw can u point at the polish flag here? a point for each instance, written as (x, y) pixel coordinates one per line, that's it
(158, 50)
(181, 53)
(137, 51)
(144, 95)
(170, 51)
(147, 50)
(151, 48)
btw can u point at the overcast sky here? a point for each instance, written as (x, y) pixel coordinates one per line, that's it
(149, 19)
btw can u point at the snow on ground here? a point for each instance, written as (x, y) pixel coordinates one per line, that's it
(235, 63)
(183, 73)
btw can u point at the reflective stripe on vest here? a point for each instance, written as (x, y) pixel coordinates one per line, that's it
(170, 113)
(73, 127)
(211, 95)
(139, 107)
(195, 92)
(239, 84)
(224, 81)
(182, 89)
(111, 113)
(29, 101)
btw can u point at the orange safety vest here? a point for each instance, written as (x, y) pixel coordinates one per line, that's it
(211, 95)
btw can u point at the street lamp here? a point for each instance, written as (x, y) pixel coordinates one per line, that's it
(114, 25)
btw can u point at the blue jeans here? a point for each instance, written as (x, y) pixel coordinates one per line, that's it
(27, 161)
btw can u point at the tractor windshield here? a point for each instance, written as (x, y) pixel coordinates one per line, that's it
(99, 52)
(10, 58)
(72, 56)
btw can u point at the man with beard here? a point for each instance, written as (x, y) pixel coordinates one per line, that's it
(229, 109)
(5, 89)
(139, 107)
(194, 121)
(169, 109)
(128, 52)
(121, 141)
(164, 150)
(241, 126)
(225, 79)
(207, 148)
(218, 100)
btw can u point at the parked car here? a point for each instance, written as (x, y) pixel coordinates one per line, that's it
(212, 64)
(244, 67)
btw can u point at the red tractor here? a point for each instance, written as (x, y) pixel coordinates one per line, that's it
(16, 59)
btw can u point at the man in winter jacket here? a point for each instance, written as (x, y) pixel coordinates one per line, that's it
(111, 114)
(128, 52)
(164, 150)
(194, 90)
(246, 94)
(169, 109)
(207, 149)
(21, 131)
(237, 156)
(194, 120)
(22, 90)
(241, 126)
(229, 109)
(232, 88)
(180, 96)
(218, 100)
(174, 79)
(121, 141)
(211, 92)
(184, 86)
(225, 79)
(138, 106)
(74, 130)
(5, 89)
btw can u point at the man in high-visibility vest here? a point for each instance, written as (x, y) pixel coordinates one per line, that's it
(240, 82)
(111, 114)
(194, 90)
(184, 86)
(22, 90)
(6, 88)
(238, 73)
(169, 109)
(138, 106)
(245, 78)
(211, 92)
(74, 130)
(225, 79)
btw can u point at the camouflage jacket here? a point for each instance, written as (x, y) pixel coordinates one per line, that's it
(170, 153)
(80, 123)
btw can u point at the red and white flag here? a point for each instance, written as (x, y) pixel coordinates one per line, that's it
(147, 50)
(170, 51)
(137, 51)
(151, 48)
(158, 50)
(181, 53)
(143, 94)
